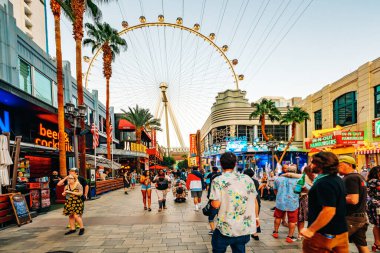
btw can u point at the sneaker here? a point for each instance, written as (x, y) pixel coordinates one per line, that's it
(275, 234)
(81, 231)
(210, 232)
(196, 208)
(290, 239)
(70, 232)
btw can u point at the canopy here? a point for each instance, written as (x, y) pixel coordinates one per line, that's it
(126, 125)
(102, 161)
(157, 167)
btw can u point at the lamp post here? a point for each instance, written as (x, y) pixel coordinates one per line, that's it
(272, 145)
(75, 114)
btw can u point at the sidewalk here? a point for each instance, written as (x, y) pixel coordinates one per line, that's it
(117, 223)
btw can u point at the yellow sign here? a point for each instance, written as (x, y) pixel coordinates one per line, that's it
(138, 148)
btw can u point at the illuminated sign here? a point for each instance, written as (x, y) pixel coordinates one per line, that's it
(327, 140)
(135, 147)
(49, 138)
(352, 137)
(5, 125)
(193, 145)
(376, 128)
(237, 146)
(234, 138)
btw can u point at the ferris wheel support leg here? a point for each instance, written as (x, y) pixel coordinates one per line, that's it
(175, 124)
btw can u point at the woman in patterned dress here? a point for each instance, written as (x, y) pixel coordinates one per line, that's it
(373, 204)
(74, 204)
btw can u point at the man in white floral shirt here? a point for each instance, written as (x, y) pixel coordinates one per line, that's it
(235, 196)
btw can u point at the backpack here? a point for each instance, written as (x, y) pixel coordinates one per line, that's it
(162, 183)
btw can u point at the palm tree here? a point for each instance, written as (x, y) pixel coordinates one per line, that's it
(293, 116)
(265, 108)
(105, 37)
(141, 118)
(56, 9)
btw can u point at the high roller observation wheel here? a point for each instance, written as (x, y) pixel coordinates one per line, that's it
(178, 25)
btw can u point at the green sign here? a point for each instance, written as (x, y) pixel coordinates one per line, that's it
(376, 128)
(328, 140)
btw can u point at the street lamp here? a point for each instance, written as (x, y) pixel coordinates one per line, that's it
(272, 145)
(75, 115)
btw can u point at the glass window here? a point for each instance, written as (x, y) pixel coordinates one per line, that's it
(25, 76)
(42, 87)
(318, 120)
(345, 109)
(278, 132)
(74, 100)
(55, 95)
(377, 101)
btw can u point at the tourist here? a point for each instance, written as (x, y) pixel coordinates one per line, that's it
(162, 182)
(133, 179)
(263, 184)
(53, 181)
(287, 202)
(373, 204)
(74, 204)
(251, 174)
(126, 182)
(356, 198)
(214, 212)
(146, 189)
(194, 183)
(327, 226)
(234, 194)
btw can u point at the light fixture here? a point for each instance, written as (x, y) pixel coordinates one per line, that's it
(69, 109)
(82, 110)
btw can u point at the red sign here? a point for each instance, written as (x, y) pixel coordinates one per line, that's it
(193, 145)
(336, 138)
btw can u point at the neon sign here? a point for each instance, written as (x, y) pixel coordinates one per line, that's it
(5, 125)
(49, 138)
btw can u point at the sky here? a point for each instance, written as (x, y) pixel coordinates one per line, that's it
(285, 48)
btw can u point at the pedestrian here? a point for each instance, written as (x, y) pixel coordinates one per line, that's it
(287, 203)
(194, 183)
(162, 182)
(126, 182)
(133, 179)
(53, 181)
(146, 190)
(234, 194)
(214, 212)
(356, 198)
(373, 204)
(74, 204)
(263, 184)
(251, 174)
(327, 227)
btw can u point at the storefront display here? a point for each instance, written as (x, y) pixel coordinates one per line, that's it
(39, 194)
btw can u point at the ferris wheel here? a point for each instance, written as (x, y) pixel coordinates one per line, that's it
(173, 70)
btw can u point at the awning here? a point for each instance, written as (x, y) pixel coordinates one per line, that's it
(367, 151)
(157, 167)
(126, 125)
(102, 161)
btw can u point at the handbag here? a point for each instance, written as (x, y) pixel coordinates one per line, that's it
(207, 209)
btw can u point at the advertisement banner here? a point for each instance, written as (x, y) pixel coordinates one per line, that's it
(193, 145)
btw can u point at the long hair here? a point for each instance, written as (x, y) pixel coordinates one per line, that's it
(374, 173)
(327, 162)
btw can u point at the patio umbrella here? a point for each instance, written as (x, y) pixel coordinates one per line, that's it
(5, 161)
(157, 167)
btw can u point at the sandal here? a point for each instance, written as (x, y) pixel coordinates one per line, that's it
(375, 247)
(145, 208)
(70, 232)
(149, 209)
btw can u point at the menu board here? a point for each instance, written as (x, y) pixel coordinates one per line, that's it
(20, 209)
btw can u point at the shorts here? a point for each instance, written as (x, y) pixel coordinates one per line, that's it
(292, 215)
(303, 209)
(196, 194)
(357, 229)
(145, 187)
(214, 212)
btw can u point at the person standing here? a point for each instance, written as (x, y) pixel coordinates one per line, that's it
(373, 204)
(327, 227)
(53, 181)
(194, 183)
(356, 198)
(162, 182)
(74, 204)
(287, 203)
(214, 212)
(251, 174)
(146, 190)
(234, 194)
(133, 179)
(126, 182)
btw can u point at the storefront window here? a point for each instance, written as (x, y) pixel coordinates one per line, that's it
(55, 95)
(279, 132)
(377, 101)
(345, 109)
(25, 76)
(318, 120)
(42, 87)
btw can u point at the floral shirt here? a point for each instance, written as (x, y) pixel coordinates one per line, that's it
(286, 199)
(237, 194)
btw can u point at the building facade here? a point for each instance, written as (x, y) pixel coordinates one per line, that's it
(228, 128)
(345, 116)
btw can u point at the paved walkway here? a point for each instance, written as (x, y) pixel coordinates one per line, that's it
(117, 223)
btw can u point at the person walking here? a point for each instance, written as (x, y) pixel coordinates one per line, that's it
(251, 174)
(74, 204)
(327, 227)
(194, 183)
(162, 182)
(133, 179)
(214, 212)
(287, 203)
(146, 190)
(373, 204)
(234, 194)
(126, 182)
(356, 198)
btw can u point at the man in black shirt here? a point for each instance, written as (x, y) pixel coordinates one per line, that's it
(327, 227)
(356, 189)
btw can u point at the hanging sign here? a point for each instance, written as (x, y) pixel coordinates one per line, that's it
(49, 138)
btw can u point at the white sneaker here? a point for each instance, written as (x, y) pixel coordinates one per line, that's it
(196, 208)
(200, 206)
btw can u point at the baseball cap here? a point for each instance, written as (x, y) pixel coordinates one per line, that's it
(74, 169)
(347, 159)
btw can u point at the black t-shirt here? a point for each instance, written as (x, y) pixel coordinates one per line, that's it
(329, 191)
(355, 184)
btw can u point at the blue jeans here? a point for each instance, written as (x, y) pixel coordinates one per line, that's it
(220, 242)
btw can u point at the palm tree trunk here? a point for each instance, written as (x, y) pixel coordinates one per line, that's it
(78, 7)
(289, 142)
(108, 119)
(262, 121)
(56, 9)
